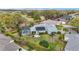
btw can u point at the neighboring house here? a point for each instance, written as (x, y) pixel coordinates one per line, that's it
(42, 28)
(75, 15)
(25, 31)
(66, 17)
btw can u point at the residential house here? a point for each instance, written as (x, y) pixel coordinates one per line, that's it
(42, 28)
(39, 28)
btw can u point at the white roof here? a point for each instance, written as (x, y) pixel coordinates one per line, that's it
(38, 25)
(50, 28)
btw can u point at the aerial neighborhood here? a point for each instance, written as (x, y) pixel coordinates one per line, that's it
(39, 30)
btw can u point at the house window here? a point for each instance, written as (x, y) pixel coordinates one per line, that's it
(24, 31)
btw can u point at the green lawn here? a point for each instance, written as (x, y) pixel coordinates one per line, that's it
(32, 43)
(37, 40)
(44, 37)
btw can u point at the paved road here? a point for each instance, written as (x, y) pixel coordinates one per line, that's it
(73, 41)
(7, 44)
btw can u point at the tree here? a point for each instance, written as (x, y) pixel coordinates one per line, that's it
(34, 14)
(10, 22)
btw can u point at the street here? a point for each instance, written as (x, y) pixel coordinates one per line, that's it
(72, 41)
(7, 44)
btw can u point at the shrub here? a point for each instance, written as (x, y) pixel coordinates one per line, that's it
(58, 32)
(61, 37)
(52, 47)
(53, 33)
(65, 29)
(30, 47)
(44, 43)
(33, 32)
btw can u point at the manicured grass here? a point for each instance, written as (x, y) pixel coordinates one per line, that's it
(57, 45)
(44, 37)
(32, 43)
